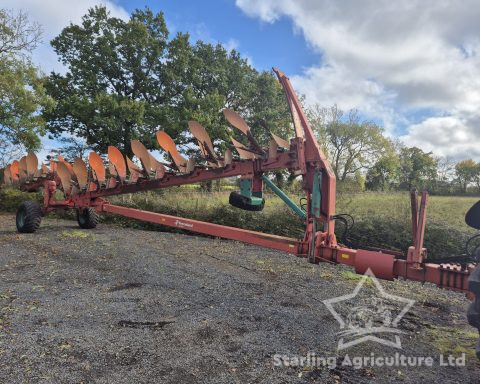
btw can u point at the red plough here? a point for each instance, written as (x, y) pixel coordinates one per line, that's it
(87, 189)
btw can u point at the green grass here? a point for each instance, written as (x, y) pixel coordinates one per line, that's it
(449, 210)
(449, 340)
(347, 275)
(76, 234)
(381, 219)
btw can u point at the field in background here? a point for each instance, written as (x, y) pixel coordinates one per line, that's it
(381, 219)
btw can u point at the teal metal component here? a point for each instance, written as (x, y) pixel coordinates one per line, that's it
(246, 187)
(246, 190)
(317, 194)
(294, 207)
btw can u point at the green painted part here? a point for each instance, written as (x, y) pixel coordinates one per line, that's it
(246, 190)
(317, 194)
(294, 207)
(246, 187)
(258, 194)
(256, 200)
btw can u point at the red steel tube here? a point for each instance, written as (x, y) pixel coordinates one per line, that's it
(281, 243)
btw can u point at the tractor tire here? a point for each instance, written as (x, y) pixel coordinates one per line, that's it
(473, 315)
(29, 217)
(474, 282)
(87, 218)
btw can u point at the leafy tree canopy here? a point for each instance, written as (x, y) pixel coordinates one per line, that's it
(467, 171)
(384, 172)
(22, 95)
(417, 168)
(350, 144)
(127, 79)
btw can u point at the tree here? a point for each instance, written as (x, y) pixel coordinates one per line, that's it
(417, 168)
(22, 95)
(350, 144)
(73, 147)
(477, 177)
(384, 172)
(9, 152)
(18, 35)
(445, 169)
(127, 79)
(466, 171)
(218, 79)
(119, 77)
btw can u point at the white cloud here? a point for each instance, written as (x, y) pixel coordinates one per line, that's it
(389, 58)
(448, 136)
(201, 32)
(54, 15)
(231, 44)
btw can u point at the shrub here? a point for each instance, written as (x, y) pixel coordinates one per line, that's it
(10, 198)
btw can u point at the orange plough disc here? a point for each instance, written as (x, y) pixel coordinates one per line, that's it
(204, 141)
(190, 165)
(157, 167)
(168, 145)
(141, 152)
(7, 178)
(98, 168)
(116, 159)
(65, 176)
(132, 167)
(32, 164)
(44, 169)
(67, 164)
(228, 158)
(234, 119)
(272, 149)
(112, 170)
(14, 171)
(53, 166)
(242, 151)
(81, 172)
(282, 143)
(22, 169)
(133, 170)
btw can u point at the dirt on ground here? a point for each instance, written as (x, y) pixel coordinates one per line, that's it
(116, 305)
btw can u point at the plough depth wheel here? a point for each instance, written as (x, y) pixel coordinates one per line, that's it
(87, 218)
(29, 217)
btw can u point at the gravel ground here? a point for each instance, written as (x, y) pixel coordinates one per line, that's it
(116, 305)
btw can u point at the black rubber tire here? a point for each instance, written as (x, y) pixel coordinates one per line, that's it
(29, 217)
(239, 201)
(473, 313)
(87, 218)
(474, 282)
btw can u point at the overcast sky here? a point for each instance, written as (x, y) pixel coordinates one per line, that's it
(413, 66)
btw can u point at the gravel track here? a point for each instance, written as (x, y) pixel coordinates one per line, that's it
(116, 305)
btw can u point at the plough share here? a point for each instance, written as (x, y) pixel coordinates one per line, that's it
(86, 189)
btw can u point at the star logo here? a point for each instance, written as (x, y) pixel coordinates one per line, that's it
(366, 319)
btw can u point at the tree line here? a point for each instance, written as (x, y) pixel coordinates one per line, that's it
(126, 79)
(362, 155)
